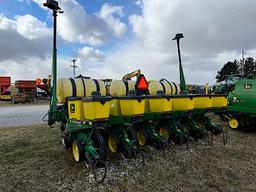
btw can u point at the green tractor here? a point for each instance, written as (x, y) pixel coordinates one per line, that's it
(242, 105)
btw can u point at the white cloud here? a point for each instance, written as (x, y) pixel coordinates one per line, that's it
(20, 38)
(6, 23)
(25, 47)
(31, 28)
(90, 54)
(76, 26)
(91, 29)
(28, 68)
(107, 14)
(139, 3)
(35, 67)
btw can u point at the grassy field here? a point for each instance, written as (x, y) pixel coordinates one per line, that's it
(33, 159)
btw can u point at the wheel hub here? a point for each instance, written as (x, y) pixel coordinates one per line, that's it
(233, 123)
(164, 133)
(141, 138)
(112, 144)
(75, 151)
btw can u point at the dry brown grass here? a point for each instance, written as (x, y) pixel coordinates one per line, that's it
(33, 159)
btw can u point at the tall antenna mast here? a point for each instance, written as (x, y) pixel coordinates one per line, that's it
(74, 66)
(177, 38)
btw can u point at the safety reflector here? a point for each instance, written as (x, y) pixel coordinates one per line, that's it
(141, 83)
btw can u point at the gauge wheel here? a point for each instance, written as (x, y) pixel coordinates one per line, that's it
(113, 143)
(131, 132)
(165, 133)
(142, 137)
(77, 151)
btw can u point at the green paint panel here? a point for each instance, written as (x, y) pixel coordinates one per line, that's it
(243, 97)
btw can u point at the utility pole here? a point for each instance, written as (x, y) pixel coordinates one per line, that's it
(183, 87)
(74, 66)
(243, 63)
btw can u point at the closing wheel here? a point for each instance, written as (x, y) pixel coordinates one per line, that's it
(101, 147)
(90, 159)
(132, 135)
(113, 143)
(179, 138)
(128, 151)
(64, 138)
(165, 133)
(158, 144)
(142, 137)
(233, 123)
(215, 130)
(65, 142)
(77, 151)
(197, 133)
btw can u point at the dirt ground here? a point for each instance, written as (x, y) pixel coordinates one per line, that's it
(33, 159)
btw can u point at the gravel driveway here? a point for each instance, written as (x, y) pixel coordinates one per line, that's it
(21, 114)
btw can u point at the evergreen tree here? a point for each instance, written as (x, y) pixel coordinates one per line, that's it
(250, 68)
(228, 69)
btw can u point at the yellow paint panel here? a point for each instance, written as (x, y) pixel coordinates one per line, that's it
(132, 106)
(182, 104)
(94, 110)
(159, 105)
(219, 101)
(203, 102)
(75, 109)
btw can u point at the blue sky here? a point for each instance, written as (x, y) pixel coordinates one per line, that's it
(110, 38)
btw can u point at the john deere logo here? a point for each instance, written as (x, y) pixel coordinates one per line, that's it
(72, 108)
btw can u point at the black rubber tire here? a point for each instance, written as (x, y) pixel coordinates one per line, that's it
(216, 130)
(100, 144)
(132, 135)
(66, 143)
(128, 151)
(81, 150)
(179, 139)
(64, 138)
(197, 133)
(158, 144)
